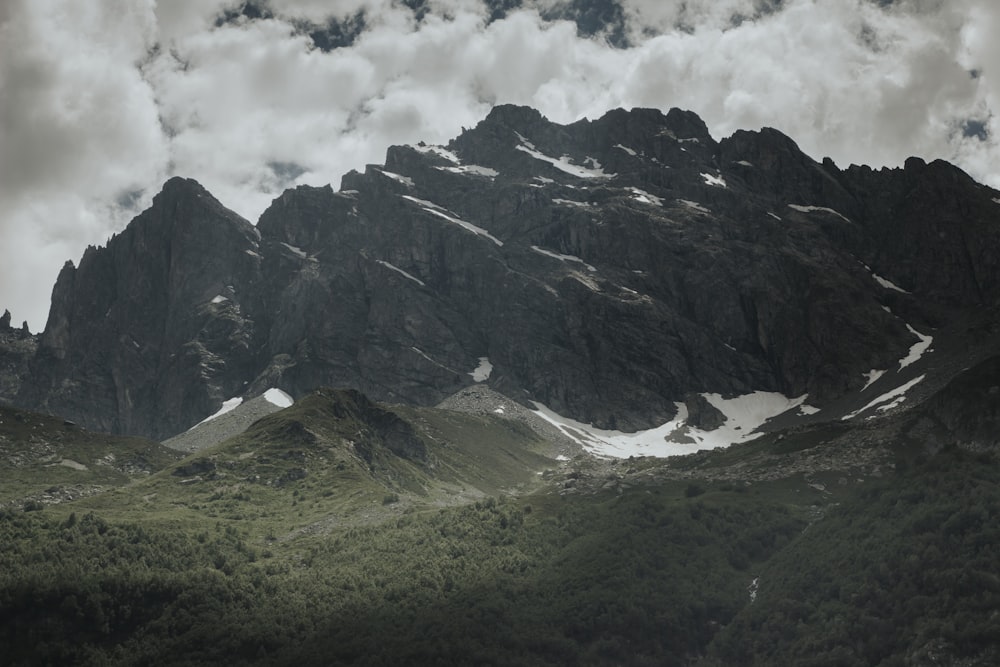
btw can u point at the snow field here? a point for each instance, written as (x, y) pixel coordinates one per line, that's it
(438, 150)
(481, 373)
(561, 257)
(278, 398)
(645, 197)
(405, 180)
(227, 406)
(474, 169)
(400, 271)
(717, 181)
(564, 163)
(693, 205)
(888, 400)
(917, 350)
(812, 209)
(442, 212)
(744, 415)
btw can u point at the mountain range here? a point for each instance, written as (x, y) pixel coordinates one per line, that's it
(613, 392)
(609, 270)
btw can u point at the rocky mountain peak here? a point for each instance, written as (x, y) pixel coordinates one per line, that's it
(146, 313)
(6, 328)
(688, 125)
(17, 347)
(304, 216)
(514, 116)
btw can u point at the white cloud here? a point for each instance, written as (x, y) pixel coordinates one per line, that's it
(89, 110)
(177, 18)
(78, 131)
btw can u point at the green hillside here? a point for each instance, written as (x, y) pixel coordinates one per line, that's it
(343, 532)
(906, 571)
(44, 459)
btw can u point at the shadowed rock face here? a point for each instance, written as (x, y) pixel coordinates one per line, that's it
(136, 341)
(17, 348)
(605, 268)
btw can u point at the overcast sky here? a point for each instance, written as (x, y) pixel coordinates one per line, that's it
(101, 101)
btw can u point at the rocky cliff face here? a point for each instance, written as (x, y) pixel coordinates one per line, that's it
(146, 332)
(17, 348)
(605, 268)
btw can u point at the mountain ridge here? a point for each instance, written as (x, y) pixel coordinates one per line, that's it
(606, 269)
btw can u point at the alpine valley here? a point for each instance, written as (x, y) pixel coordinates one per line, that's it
(612, 392)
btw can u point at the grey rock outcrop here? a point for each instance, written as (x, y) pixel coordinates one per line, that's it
(17, 348)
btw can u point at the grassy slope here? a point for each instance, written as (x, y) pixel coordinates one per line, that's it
(322, 464)
(44, 458)
(310, 540)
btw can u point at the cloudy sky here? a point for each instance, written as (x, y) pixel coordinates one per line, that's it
(101, 101)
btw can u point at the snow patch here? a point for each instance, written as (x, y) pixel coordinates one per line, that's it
(883, 282)
(917, 350)
(570, 202)
(996, 200)
(774, 215)
(252, 253)
(278, 398)
(561, 257)
(744, 163)
(626, 149)
(714, 180)
(70, 463)
(400, 271)
(744, 414)
(524, 140)
(431, 207)
(812, 209)
(298, 252)
(405, 180)
(473, 169)
(694, 205)
(871, 377)
(219, 298)
(482, 372)
(433, 361)
(564, 163)
(645, 197)
(438, 150)
(227, 406)
(425, 203)
(887, 284)
(888, 400)
(543, 180)
(586, 281)
(807, 410)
